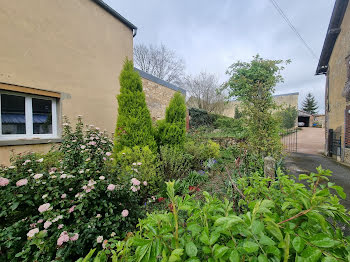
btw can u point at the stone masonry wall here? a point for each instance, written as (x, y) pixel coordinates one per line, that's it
(157, 98)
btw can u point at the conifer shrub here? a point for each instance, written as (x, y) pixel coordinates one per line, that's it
(172, 130)
(134, 124)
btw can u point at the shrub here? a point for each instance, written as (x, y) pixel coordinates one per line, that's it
(190, 182)
(172, 130)
(288, 117)
(139, 163)
(199, 117)
(173, 162)
(202, 152)
(83, 201)
(134, 124)
(298, 225)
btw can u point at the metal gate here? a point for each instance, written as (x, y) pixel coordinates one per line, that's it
(334, 143)
(289, 139)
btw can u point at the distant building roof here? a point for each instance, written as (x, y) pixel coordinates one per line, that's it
(333, 31)
(114, 13)
(160, 81)
(303, 113)
(288, 94)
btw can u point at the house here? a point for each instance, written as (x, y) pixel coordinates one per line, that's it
(284, 100)
(63, 58)
(334, 63)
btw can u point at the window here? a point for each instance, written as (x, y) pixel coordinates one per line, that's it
(27, 116)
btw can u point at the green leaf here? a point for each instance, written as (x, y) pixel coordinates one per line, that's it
(273, 228)
(312, 254)
(234, 256)
(340, 191)
(265, 240)
(191, 249)
(257, 227)
(214, 237)
(193, 259)
(262, 258)
(329, 259)
(250, 246)
(88, 256)
(220, 251)
(14, 205)
(204, 238)
(206, 250)
(195, 229)
(286, 249)
(176, 255)
(323, 240)
(298, 244)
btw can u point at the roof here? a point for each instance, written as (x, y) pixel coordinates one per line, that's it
(160, 81)
(303, 113)
(288, 94)
(333, 31)
(114, 13)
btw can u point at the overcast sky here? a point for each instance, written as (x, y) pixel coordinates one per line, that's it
(211, 35)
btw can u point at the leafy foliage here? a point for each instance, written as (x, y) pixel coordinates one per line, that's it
(139, 163)
(253, 84)
(288, 117)
(201, 152)
(291, 223)
(173, 162)
(56, 212)
(134, 124)
(309, 104)
(172, 130)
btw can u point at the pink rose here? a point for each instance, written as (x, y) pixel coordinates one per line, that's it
(64, 237)
(125, 213)
(108, 154)
(99, 239)
(32, 232)
(134, 189)
(111, 187)
(40, 221)
(145, 183)
(44, 207)
(47, 224)
(135, 182)
(74, 237)
(71, 209)
(63, 196)
(22, 182)
(60, 226)
(4, 181)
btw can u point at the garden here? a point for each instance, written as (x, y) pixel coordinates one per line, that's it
(158, 192)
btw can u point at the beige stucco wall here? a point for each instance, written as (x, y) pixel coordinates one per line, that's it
(281, 100)
(72, 47)
(157, 98)
(337, 76)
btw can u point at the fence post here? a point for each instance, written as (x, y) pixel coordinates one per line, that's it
(269, 167)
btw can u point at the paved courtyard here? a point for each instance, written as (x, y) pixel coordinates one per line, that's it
(310, 155)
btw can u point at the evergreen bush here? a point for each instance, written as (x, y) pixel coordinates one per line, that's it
(172, 130)
(134, 124)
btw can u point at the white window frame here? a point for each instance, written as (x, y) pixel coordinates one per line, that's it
(29, 118)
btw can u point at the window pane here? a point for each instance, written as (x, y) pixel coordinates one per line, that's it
(13, 114)
(42, 116)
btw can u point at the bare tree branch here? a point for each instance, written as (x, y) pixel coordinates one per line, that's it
(204, 92)
(160, 62)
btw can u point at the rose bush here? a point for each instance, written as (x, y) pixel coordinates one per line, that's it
(61, 211)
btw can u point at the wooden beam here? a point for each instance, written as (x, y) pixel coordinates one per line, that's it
(28, 90)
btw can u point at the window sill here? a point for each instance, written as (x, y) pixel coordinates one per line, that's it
(18, 142)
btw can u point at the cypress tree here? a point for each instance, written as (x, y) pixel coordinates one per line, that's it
(172, 130)
(134, 124)
(310, 104)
